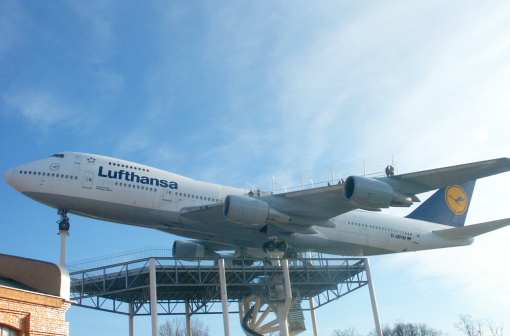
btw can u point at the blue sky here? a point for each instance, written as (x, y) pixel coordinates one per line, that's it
(238, 92)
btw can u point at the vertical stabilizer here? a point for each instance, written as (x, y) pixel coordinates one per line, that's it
(448, 206)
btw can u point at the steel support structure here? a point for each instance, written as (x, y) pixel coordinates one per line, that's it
(131, 320)
(169, 286)
(153, 296)
(283, 308)
(188, 319)
(223, 295)
(313, 316)
(373, 299)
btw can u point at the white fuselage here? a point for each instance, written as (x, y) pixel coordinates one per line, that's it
(130, 193)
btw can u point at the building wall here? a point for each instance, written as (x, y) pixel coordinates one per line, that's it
(33, 313)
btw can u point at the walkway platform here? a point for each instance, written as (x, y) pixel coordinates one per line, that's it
(124, 288)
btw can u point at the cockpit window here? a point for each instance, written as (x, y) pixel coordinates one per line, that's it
(58, 155)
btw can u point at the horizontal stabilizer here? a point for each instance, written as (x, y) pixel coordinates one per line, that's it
(471, 231)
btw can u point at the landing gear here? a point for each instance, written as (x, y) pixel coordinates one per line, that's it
(63, 231)
(275, 248)
(63, 222)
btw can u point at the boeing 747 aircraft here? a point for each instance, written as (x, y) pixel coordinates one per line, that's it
(343, 219)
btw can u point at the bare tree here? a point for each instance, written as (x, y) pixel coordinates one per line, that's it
(468, 326)
(408, 329)
(495, 330)
(476, 327)
(175, 327)
(346, 332)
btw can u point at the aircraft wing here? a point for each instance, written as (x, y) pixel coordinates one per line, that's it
(327, 202)
(427, 180)
(316, 206)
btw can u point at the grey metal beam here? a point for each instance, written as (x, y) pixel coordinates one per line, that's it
(373, 300)
(153, 296)
(224, 298)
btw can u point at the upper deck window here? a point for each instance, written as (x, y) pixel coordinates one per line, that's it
(58, 155)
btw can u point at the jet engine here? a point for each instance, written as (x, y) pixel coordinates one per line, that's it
(190, 249)
(372, 194)
(252, 211)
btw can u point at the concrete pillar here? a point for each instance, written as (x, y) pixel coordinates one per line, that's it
(373, 300)
(224, 298)
(153, 296)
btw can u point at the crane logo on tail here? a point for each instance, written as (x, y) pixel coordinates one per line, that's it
(456, 199)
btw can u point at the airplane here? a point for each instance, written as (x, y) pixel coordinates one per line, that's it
(339, 219)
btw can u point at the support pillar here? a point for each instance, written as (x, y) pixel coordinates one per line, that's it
(373, 300)
(224, 298)
(64, 235)
(188, 319)
(241, 311)
(283, 310)
(153, 296)
(131, 320)
(313, 317)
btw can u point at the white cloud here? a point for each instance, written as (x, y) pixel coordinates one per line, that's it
(41, 109)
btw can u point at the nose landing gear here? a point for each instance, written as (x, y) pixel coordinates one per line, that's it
(63, 222)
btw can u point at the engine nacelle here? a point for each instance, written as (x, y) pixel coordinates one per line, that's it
(190, 249)
(251, 211)
(373, 194)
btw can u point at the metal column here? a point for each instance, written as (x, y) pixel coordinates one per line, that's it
(313, 317)
(153, 296)
(241, 311)
(64, 234)
(131, 320)
(223, 293)
(283, 310)
(373, 300)
(188, 319)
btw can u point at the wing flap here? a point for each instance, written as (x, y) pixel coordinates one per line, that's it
(471, 231)
(319, 203)
(207, 213)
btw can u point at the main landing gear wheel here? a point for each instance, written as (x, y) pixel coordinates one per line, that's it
(275, 246)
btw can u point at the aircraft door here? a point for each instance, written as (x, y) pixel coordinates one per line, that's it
(76, 164)
(42, 180)
(87, 180)
(416, 238)
(168, 199)
(88, 168)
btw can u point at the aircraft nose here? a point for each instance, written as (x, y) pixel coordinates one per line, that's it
(9, 177)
